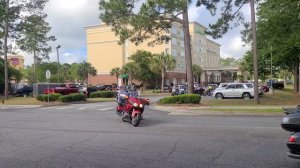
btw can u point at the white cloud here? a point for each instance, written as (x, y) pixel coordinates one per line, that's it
(68, 19)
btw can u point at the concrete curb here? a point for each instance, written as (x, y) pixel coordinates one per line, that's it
(209, 110)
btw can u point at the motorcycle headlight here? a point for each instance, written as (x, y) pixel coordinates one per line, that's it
(141, 105)
(135, 105)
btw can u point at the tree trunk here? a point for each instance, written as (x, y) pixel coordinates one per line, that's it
(296, 78)
(34, 67)
(254, 47)
(187, 46)
(162, 81)
(5, 52)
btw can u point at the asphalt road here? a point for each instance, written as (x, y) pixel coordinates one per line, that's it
(92, 135)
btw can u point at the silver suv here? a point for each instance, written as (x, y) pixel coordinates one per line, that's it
(242, 90)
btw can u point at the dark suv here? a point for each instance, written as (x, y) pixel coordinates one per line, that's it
(22, 90)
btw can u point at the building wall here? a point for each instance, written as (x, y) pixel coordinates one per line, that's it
(212, 58)
(198, 42)
(105, 53)
(103, 50)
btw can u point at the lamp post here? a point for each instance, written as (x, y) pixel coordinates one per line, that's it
(58, 47)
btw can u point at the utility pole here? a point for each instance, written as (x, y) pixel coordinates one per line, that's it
(58, 47)
(254, 48)
(5, 50)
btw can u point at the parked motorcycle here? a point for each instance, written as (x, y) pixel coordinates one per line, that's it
(291, 123)
(131, 107)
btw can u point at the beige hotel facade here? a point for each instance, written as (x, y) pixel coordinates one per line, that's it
(105, 53)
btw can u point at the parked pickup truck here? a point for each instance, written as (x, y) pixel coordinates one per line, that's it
(64, 89)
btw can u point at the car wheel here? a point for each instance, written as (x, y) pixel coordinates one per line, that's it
(246, 96)
(219, 96)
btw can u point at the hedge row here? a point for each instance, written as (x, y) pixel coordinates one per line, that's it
(72, 97)
(52, 97)
(103, 94)
(181, 99)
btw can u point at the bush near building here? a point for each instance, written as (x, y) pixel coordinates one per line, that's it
(52, 97)
(72, 97)
(181, 99)
(103, 94)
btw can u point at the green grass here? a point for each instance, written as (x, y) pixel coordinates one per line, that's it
(33, 101)
(236, 110)
(284, 97)
(22, 101)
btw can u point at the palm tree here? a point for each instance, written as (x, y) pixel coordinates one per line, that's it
(84, 70)
(131, 70)
(115, 72)
(197, 72)
(161, 63)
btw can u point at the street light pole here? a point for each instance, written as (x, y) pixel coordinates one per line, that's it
(58, 47)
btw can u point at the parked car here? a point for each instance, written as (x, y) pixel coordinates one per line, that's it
(275, 84)
(237, 90)
(104, 87)
(222, 85)
(264, 88)
(23, 90)
(167, 89)
(91, 89)
(64, 89)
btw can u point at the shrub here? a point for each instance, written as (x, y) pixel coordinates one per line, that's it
(72, 97)
(52, 97)
(103, 94)
(181, 99)
(65, 98)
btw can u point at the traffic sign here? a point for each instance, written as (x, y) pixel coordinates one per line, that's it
(48, 74)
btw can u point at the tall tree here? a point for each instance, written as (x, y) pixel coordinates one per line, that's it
(153, 19)
(142, 59)
(14, 12)
(161, 63)
(231, 12)
(115, 72)
(33, 38)
(197, 72)
(279, 33)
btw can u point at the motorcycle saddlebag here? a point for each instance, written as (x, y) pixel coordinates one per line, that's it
(291, 122)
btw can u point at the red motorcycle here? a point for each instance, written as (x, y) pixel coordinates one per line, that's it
(131, 108)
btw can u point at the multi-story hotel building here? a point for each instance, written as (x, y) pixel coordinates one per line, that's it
(105, 53)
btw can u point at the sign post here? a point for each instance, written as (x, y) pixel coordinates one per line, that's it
(48, 75)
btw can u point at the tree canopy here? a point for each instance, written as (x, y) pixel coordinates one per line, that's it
(152, 20)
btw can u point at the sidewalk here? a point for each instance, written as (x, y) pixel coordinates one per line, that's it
(2, 107)
(217, 110)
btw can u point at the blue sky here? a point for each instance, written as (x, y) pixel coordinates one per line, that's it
(69, 17)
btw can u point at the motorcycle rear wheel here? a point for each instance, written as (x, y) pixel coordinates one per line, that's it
(136, 120)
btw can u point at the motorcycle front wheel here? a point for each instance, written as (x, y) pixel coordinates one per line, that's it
(136, 120)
